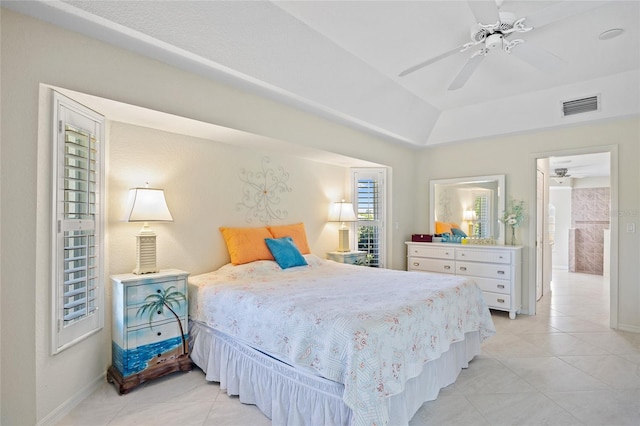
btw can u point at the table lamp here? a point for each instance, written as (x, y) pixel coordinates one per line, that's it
(146, 205)
(342, 212)
(470, 217)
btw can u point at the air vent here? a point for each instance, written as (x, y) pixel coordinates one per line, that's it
(579, 106)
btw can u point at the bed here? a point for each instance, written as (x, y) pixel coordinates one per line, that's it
(327, 343)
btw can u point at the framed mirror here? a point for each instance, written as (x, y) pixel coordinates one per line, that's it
(474, 204)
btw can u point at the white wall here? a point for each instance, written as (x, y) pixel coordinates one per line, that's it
(34, 384)
(201, 180)
(515, 157)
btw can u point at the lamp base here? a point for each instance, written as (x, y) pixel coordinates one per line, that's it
(343, 240)
(470, 233)
(145, 253)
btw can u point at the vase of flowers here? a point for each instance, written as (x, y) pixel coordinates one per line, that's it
(513, 218)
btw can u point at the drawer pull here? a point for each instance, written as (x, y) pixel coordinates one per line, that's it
(158, 291)
(159, 312)
(500, 272)
(500, 300)
(462, 254)
(416, 263)
(447, 267)
(159, 333)
(500, 285)
(446, 253)
(463, 268)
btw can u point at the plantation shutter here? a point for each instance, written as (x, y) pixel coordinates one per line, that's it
(483, 217)
(369, 205)
(78, 182)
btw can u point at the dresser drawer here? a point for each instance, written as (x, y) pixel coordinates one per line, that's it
(494, 256)
(135, 294)
(134, 320)
(145, 336)
(431, 265)
(483, 270)
(437, 252)
(500, 301)
(493, 285)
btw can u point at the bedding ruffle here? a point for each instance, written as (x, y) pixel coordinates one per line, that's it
(286, 396)
(292, 398)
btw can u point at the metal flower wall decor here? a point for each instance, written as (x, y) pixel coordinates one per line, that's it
(261, 193)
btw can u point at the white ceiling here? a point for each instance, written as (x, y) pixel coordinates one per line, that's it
(341, 59)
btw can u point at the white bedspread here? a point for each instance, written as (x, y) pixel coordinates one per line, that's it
(370, 329)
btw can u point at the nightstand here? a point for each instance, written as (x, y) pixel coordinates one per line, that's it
(353, 257)
(149, 327)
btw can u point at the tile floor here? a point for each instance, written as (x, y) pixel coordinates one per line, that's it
(563, 366)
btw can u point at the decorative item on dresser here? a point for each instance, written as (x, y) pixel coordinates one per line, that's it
(354, 257)
(149, 327)
(496, 269)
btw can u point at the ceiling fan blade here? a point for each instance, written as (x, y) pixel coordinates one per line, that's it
(537, 57)
(485, 12)
(560, 11)
(430, 61)
(466, 71)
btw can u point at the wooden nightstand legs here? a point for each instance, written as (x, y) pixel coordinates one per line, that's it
(124, 385)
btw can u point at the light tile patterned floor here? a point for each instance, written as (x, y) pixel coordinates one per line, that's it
(563, 366)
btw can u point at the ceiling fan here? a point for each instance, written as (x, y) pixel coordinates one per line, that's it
(561, 173)
(497, 34)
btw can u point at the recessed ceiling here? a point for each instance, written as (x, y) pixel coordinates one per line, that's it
(342, 59)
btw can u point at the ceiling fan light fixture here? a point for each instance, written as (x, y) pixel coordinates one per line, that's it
(494, 41)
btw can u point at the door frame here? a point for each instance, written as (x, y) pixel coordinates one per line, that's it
(613, 188)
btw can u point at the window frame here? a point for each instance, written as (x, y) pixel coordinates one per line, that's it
(65, 112)
(380, 174)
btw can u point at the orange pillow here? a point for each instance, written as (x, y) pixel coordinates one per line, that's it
(454, 225)
(296, 232)
(443, 228)
(246, 244)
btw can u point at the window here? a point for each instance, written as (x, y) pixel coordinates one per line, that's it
(482, 225)
(370, 205)
(77, 203)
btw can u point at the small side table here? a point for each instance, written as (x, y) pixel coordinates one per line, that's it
(149, 336)
(354, 257)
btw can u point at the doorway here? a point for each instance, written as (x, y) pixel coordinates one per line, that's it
(575, 194)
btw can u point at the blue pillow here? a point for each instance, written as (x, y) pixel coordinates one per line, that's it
(458, 232)
(285, 252)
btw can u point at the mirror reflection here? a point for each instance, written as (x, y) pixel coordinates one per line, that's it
(472, 205)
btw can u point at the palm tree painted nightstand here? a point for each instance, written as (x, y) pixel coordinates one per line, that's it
(148, 329)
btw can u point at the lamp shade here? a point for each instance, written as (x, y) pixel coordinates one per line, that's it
(147, 205)
(469, 215)
(342, 212)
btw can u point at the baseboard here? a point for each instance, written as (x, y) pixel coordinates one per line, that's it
(65, 408)
(629, 328)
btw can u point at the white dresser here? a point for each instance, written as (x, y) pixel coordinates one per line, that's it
(496, 269)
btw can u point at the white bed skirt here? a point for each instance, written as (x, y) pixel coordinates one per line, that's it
(292, 397)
